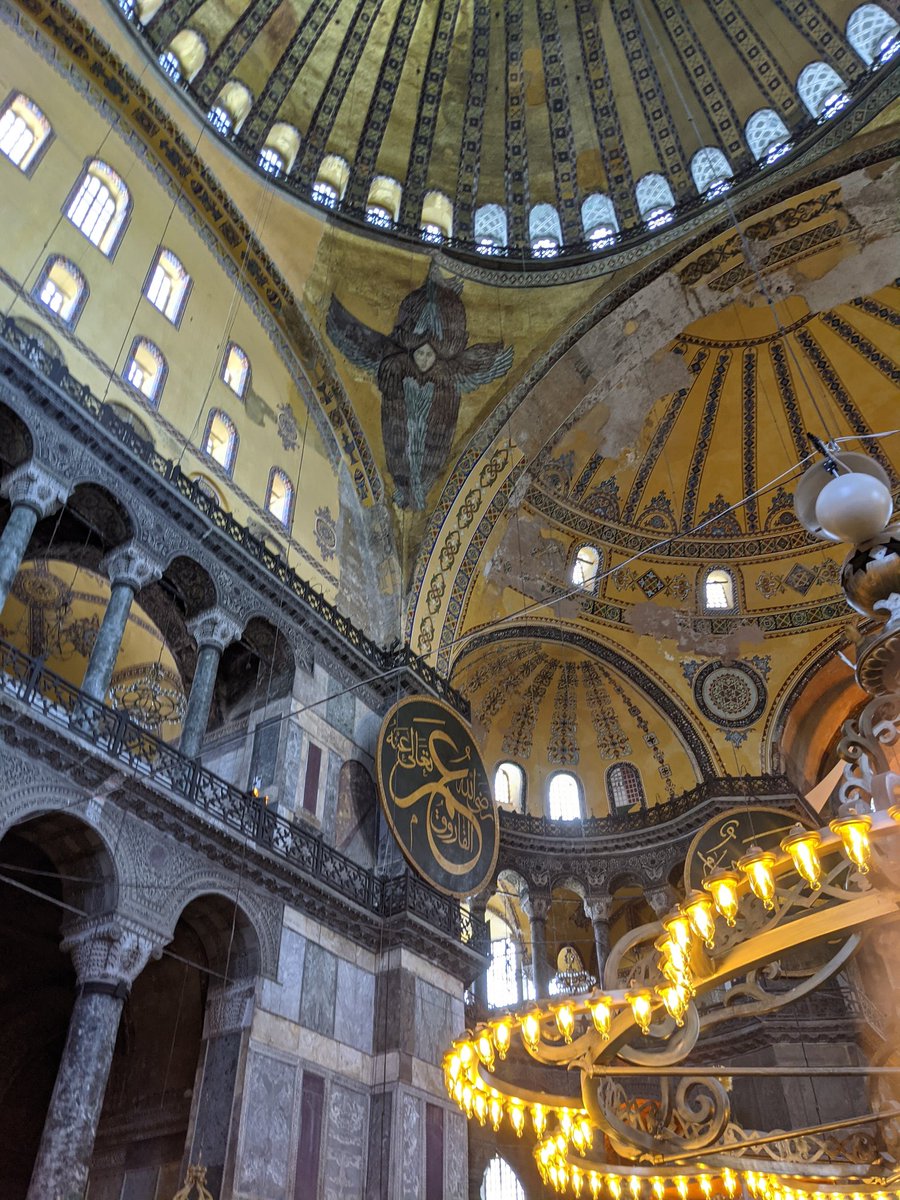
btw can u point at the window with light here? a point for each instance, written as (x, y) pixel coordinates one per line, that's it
(509, 787)
(62, 289)
(236, 369)
(564, 797)
(324, 194)
(271, 162)
(221, 439)
(168, 286)
(544, 231)
(145, 370)
(822, 90)
(502, 978)
(586, 567)
(220, 119)
(99, 205)
(168, 60)
(599, 221)
(655, 200)
(280, 496)
(624, 789)
(24, 131)
(500, 1182)
(767, 136)
(718, 590)
(711, 172)
(378, 216)
(490, 229)
(873, 34)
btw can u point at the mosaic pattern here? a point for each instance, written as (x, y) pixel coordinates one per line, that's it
(731, 695)
(562, 748)
(518, 741)
(612, 740)
(516, 139)
(800, 578)
(562, 136)
(650, 738)
(473, 123)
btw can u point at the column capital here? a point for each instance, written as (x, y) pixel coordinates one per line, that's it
(215, 627)
(536, 908)
(133, 564)
(598, 908)
(34, 487)
(661, 898)
(109, 949)
(229, 1007)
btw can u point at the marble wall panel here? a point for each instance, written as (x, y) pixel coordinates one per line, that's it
(283, 997)
(456, 1169)
(432, 1022)
(354, 1006)
(319, 983)
(332, 773)
(214, 1103)
(346, 1130)
(267, 1119)
(340, 712)
(140, 1185)
(412, 1147)
(381, 1110)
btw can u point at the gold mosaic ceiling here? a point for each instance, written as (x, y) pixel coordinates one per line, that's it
(510, 102)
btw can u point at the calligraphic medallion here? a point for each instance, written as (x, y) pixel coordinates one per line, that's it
(728, 836)
(436, 795)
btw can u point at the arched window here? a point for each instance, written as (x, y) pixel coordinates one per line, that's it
(564, 797)
(509, 787)
(767, 136)
(500, 1182)
(127, 417)
(873, 34)
(232, 105)
(184, 55)
(221, 439)
(718, 590)
(277, 155)
(624, 789)
(505, 971)
(280, 496)
(236, 369)
(331, 181)
(24, 132)
(270, 161)
(168, 286)
(711, 171)
(208, 488)
(598, 218)
(146, 369)
(437, 218)
(654, 200)
(586, 567)
(490, 228)
(62, 288)
(383, 203)
(545, 231)
(99, 205)
(822, 90)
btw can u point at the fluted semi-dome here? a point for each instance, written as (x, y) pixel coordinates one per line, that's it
(518, 124)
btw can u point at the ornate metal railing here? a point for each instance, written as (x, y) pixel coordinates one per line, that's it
(382, 661)
(115, 735)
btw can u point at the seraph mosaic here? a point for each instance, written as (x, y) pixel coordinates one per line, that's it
(422, 368)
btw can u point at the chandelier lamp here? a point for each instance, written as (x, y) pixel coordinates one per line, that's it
(811, 887)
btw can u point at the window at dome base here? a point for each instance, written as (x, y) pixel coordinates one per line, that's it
(586, 567)
(767, 136)
(500, 1182)
(168, 286)
(490, 230)
(718, 590)
(873, 34)
(24, 132)
(99, 205)
(545, 231)
(509, 787)
(221, 439)
(437, 218)
(711, 172)
(220, 119)
(62, 288)
(145, 370)
(280, 496)
(822, 90)
(236, 369)
(624, 789)
(271, 162)
(383, 202)
(564, 797)
(599, 221)
(231, 106)
(655, 200)
(325, 194)
(331, 181)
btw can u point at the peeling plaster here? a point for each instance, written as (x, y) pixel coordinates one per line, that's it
(661, 622)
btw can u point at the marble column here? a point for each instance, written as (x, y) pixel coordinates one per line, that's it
(478, 908)
(128, 568)
(597, 909)
(537, 909)
(33, 493)
(108, 954)
(213, 630)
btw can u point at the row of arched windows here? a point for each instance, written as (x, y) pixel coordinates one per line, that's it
(717, 590)
(565, 800)
(870, 30)
(98, 206)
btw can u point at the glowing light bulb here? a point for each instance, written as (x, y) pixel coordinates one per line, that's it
(517, 1116)
(674, 954)
(853, 830)
(601, 1015)
(531, 1030)
(465, 1054)
(699, 911)
(675, 1000)
(480, 1106)
(681, 1186)
(484, 1048)
(565, 1021)
(454, 1066)
(658, 1188)
(705, 1186)
(729, 1179)
(586, 1131)
(495, 1112)
(578, 1139)
(565, 1122)
(577, 1181)
(614, 1183)
(723, 887)
(757, 866)
(594, 1183)
(634, 1186)
(502, 1037)
(678, 927)
(641, 1009)
(468, 1097)
(801, 845)
(458, 1091)
(539, 1119)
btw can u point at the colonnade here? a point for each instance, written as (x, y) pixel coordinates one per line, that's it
(35, 493)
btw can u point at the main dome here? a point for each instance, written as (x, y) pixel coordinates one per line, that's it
(519, 125)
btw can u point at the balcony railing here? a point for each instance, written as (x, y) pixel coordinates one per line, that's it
(115, 735)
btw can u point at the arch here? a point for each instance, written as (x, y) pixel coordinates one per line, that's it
(189, 51)
(767, 136)
(280, 149)
(599, 221)
(624, 788)
(490, 228)
(655, 200)
(131, 419)
(565, 798)
(331, 182)
(146, 370)
(209, 489)
(500, 1182)
(711, 172)
(718, 592)
(236, 369)
(586, 563)
(503, 973)
(280, 496)
(544, 231)
(872, 33)
(78, 850)
(383, 202)
(16, 440)
(62, 289)
(821, 89)
(99, 205)
(509, 786)
(231, 106)
(227, 933)
(25, 132)
(220, 441)
(168, 285)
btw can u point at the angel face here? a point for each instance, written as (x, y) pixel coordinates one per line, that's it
(424, 357)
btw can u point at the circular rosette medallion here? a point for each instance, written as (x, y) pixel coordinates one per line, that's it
(732, 695)
(436, 795)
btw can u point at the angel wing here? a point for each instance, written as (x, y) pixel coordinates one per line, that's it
(364, 347)
(482, 364)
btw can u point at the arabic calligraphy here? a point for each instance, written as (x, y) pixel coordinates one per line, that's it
(437, 796)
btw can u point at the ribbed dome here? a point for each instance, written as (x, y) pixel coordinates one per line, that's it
(564, 118)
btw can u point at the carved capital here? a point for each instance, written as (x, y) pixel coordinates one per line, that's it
(131, 563)
(598, 908)
(109, 949)
(661, 899)
(229, 1006)
(536, 908)
(215, 627)
(35, 487)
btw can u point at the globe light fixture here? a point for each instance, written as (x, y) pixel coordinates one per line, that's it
(854, 508)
